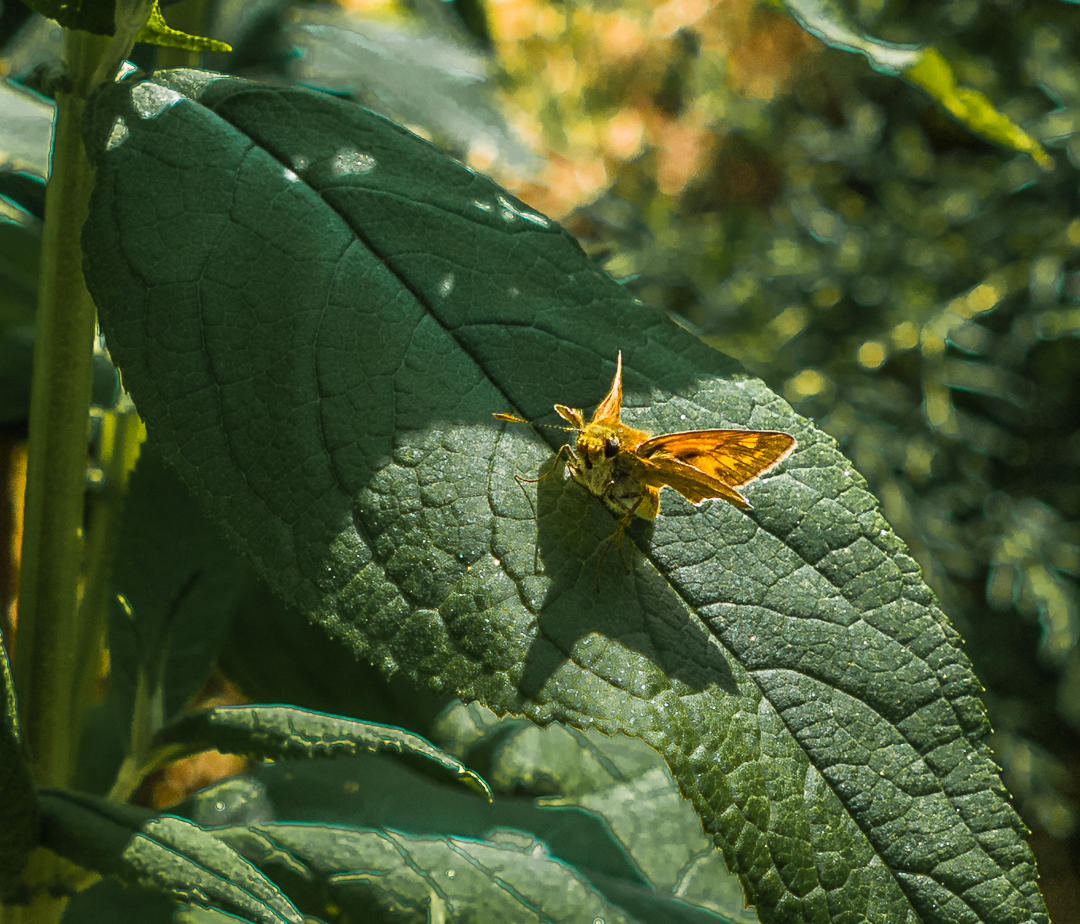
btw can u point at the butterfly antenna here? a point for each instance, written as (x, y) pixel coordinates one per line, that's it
(512, 418)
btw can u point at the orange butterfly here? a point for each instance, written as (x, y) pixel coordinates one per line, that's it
(626, 468)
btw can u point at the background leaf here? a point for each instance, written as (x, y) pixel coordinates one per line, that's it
(285, 732)
(97, 16)
(371, 799)
(110, 900)
(925, 67)
(164, 854)
(621, 780)
(510, 878)
(317, 313)
(18, 802)
(181, 584)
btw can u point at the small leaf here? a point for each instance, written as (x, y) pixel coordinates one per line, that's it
(18, 802)
(934, 74)
(181, 583)
(164, 854)
(285, 732)
(158, 32)
(922, 66)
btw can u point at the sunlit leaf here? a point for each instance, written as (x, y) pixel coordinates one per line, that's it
(317, 313)
(158, 32)
(284, 732)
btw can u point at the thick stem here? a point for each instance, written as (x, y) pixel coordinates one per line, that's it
(56, 466)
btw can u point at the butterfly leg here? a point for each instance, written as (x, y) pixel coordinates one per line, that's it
(521, 482)
(551, 471)
(564, 449)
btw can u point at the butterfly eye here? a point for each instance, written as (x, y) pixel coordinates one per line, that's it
(611, 447)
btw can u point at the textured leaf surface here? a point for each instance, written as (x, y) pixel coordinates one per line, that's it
(317, 313)
(283, 732)
(158, 32)
(162, 854)
(621, 780)
(510, 879)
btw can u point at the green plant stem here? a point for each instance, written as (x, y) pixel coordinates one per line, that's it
(121, 438)
(56, 466)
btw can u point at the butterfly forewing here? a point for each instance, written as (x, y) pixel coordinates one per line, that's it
(609, 410)
(733, 457)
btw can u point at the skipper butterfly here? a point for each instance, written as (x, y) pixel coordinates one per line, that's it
(626, 468)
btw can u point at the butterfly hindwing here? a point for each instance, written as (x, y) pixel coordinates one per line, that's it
(733, 457)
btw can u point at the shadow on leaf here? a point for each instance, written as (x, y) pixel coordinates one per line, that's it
(634, 633)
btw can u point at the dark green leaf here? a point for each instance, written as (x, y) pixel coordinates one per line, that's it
(24, 189)
(181, 583)
(111, 902)
(285, 732)
(375, 792)
(371, 873)
(164, 854)
(619, 779)
(20, 248)
(18, 803)
(16, 367)
(317, 313)
(341, 792)
(86, 15)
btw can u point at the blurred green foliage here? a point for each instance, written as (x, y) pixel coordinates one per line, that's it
(916, 291)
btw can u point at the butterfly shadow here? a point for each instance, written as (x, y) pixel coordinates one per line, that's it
(600, 594)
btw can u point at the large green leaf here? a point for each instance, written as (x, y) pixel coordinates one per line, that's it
(316, 313)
